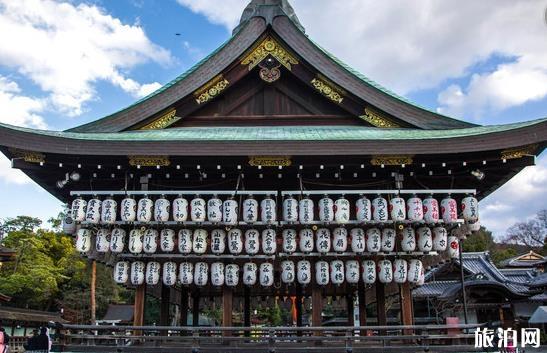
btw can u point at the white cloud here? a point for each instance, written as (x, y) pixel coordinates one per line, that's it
(519, 199)
(413, 45)
(66, 49)
(18, 109)
(12, 176)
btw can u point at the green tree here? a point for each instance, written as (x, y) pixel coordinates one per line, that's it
(480, 241)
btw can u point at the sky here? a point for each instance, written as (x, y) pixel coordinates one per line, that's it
(65, 63)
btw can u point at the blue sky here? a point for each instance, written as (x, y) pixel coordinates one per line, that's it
(71, 62)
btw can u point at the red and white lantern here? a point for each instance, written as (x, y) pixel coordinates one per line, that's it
(83, 241)
(180, 209)
(363, 210)
(231, 272)
(185, 241)
(397, 209)
(230, 211)
(93, 212)
(289, 241)
(266, 274)
(431, 210)
(268, 211)
(235, 241)
(380, 210)
(453, 247)
(218, 242)
(197, 210)
(137, 273)
(167, 240)
(425, 239)
(389, 237)
(287, 272)
(400, 270)
(214, 210)
(121, 272)
(342, 211)
(135, 244)
(337, 272)
(340, 240)
(102, 241)
(117, 240)
(369, 272)
(408, 241)
(217, 274)
(250, 210)
(385, 271)
(79, 206)
(290, 210)
(162, 209)
(150, 241)
(249, 274)
(305, 211)
(374, 240)
(322, 277)
(199, 241)
(323, 241)
(303, 272)
(186, 273)
(305, 240)
(128, 210)
(269, 241)
(449, 210)
(326, 209)
(358, 244)
(144, 210)
(415, 270)
(252, 242)
(470, 209)
(201, 274)
(153, 273)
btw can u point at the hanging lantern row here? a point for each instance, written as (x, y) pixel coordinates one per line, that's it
(252, 241)
(215, 210)
(336, 272)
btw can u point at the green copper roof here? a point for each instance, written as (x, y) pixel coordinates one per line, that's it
(288, 133)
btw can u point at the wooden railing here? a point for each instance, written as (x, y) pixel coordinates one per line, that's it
(369, 339)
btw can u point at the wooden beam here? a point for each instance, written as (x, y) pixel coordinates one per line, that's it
(164, 305)
(227, 306)
(183, 307)
(298, 305)
(317, 306)
(351, 308)
(195, 309)
(405, 296)
(381, 304)
(138, 308)
(93, 303)
(361, 290)
(247, 309)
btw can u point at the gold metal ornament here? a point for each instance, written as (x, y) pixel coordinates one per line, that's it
(270, 161)
(328, 89)
(269, 46)
(28, 156)
(519, 152)
(378, 119)
(149, 161)
(164, 121)
(392, 160)
(211, 89)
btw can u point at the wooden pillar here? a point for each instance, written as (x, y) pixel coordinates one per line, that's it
(92, 285)
(317, 306)
(351, 309)
(227, 306)
(247, 309)
(195, 309)
(405, 297)
(298, 307)
(138, 309)
(183, 307)
(381, 304)
(361, 290)
(164, 305)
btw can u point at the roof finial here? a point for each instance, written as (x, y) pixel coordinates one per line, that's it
(268, 9)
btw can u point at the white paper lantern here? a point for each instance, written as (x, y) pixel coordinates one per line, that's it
(117, 240)
(218, 242)
(121, 272)
(425, 239)
(337, 272)
(232, 275)
(380, 209)
(250, 210)
(290, 210)
(167, 240)
(266, 274)
(217, 274)
(230, 211)
(440, 239)
(197, 210)
(415, 268)
(431, 210)
(374, 240)
(169, 273)
(180, 209)
(79, 206)
(415, 209)
(269, 242)
(342, 210)
(322, 273)
(352, 271)
(449, 210)
(408, 240)
(102, 240)
(93, 212)
(305, 240)
(268, 212)
(358, 242)
(186, 273)
(287, 272)
(135, 244)
(144, 210)
(137, 273)
(369, 272)
(389, 238)
(363, 210)
(150, 241)
(323, 241)
(252, 242)
(128, 210)
(109, 209)
(453, 247)
(162, 209)
(68, 224)
(235, 241)
(153, 273)
(201, 274)
(249, 274)
(199, 241)
(214, 210)
(400, 270)
(83, 241)
(385, 271)
(326, 209)
(306, 210)
(185, 241)
(340, 240)
(421, 281)
(289, 241)
(303, 272)
(397, 209)
(470, 209)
